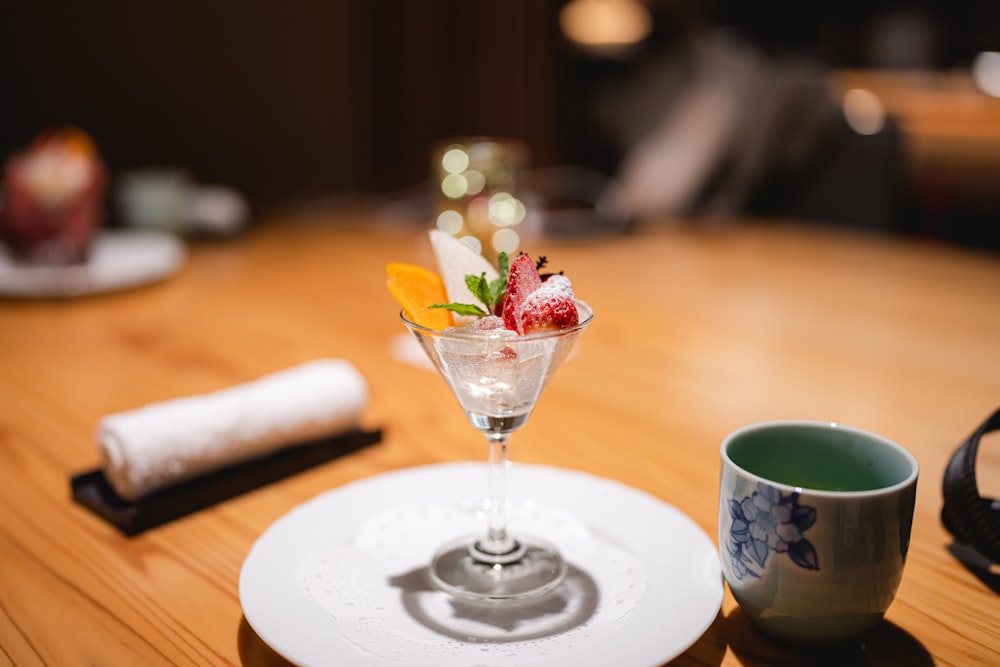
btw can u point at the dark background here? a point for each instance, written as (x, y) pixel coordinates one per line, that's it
(299, 99)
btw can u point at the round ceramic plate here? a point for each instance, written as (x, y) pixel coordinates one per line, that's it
(118, 260)
(341, 578)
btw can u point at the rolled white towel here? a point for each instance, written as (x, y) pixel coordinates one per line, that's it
(161, 444)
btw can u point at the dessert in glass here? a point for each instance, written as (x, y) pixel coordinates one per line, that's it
(496, 344)
(52, 207)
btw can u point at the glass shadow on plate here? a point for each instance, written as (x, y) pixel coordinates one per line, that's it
(569, 606)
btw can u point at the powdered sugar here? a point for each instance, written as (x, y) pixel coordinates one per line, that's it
(556, 287)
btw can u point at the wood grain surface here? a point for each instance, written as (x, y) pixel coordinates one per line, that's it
(697, 332)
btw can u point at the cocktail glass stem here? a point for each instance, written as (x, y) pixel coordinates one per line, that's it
(498, 546)
(495, 565)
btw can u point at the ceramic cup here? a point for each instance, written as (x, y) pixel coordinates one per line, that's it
(814, 526)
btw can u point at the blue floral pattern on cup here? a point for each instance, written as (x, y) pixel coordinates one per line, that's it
(767, 521)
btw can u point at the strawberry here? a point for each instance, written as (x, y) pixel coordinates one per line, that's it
(522, 280)
(550, 307)
(532, 305)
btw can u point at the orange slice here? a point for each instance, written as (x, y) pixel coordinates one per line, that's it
(416, 289)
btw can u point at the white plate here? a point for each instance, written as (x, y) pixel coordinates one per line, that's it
(339, 579)
(118, 260)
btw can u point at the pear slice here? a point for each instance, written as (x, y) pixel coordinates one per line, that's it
(455, 260)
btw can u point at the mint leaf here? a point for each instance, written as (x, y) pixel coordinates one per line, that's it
(497, 289)
(488, 292)
(479, 287)
(469, 309)
(499, 286)
(503, 264)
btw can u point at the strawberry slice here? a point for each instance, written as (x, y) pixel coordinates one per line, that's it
(550, 307)
(522, 280)
(532, 305)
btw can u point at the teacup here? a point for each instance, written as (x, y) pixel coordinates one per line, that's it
(814, 526)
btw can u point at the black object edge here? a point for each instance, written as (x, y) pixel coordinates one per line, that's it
(92, 490)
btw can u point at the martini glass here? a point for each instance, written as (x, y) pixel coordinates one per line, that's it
(497, 376)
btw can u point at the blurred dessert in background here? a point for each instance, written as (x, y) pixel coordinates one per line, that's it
(53, 198)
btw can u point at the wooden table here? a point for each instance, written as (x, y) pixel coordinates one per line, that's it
(697, 333)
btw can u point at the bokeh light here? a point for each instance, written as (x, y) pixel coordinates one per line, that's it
(986, 72)
(455, 160)
(605, 25)
(455, 186)
(478, 181)
(477, 212)
(864, 111)
(505, 209)
(450, 221)
(475, 180)
(506, 240)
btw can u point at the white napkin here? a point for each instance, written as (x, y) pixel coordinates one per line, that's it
(161, 444)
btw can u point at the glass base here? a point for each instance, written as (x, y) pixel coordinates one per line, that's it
(531, 570)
